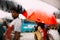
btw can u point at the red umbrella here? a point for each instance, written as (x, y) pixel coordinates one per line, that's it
(39, 11)
(40, 16)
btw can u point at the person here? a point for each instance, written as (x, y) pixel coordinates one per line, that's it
(15, 26)
(44, 31)
(59, 30)
(53, 33)
(38, 34)
(2, 30)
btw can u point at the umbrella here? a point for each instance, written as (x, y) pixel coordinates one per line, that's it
(7, 5)
(40, 16)
(39, 11)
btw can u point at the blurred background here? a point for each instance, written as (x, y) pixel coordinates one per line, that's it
(50, 7)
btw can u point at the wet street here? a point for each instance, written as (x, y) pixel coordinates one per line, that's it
(27, 36)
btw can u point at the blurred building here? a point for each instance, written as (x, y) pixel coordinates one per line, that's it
(53, 3)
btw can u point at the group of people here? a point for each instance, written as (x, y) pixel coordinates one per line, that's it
(43, 32)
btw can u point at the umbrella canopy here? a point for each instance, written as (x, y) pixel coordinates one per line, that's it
(39, 11)
(41, 16)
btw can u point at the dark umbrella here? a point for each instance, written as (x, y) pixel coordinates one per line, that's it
(7, 5)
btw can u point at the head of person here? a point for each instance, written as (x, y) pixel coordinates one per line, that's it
(15, 13)
(39, 28)
(51, 26)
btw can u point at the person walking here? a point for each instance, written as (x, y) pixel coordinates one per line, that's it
(14, 26)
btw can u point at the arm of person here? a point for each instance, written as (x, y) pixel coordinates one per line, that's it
(50, 37)
(9, 30)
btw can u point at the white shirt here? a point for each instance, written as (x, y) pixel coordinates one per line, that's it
(54, 34)
(17, 24)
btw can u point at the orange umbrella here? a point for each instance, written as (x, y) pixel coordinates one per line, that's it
(39, 11)
(40, 16)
